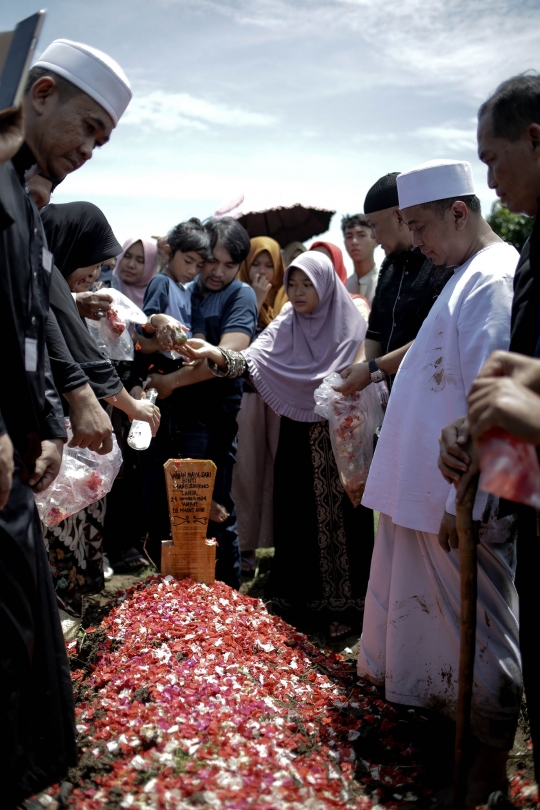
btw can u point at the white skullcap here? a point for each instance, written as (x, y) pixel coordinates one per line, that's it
(436, 180)
(92, 71)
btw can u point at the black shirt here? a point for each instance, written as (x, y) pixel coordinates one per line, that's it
(408, 286)
(30, 408)
(525, 334)
(99, 370)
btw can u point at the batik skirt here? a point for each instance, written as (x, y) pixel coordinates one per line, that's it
(75, 548)
(323, 545)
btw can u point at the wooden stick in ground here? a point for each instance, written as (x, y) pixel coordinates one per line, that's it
(468, 538)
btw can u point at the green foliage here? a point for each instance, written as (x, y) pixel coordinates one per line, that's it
(513, 228)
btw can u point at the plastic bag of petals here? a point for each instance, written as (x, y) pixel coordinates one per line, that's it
(509, 468)
(113, 332)
(84, 478)
(352, 420)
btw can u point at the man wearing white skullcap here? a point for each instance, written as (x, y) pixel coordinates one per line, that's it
(92, 71)
(75, 97)
(410, 640)
(73, 101)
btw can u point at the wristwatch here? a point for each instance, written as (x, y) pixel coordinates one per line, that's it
(377, 374)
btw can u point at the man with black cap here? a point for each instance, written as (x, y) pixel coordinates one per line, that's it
(408, 287)
(73, 102)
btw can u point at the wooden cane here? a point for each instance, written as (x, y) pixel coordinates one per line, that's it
(468, 538)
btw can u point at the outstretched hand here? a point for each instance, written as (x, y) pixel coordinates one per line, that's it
(169, 332)
(197, 349)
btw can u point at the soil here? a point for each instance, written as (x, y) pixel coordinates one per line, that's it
(431, 734)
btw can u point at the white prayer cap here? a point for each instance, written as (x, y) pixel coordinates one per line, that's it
(92, 71)
(435, 180)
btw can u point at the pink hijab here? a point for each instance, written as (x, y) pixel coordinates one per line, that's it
(135, 292)
(290, 359)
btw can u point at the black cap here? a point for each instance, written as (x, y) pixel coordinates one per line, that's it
(383, 194)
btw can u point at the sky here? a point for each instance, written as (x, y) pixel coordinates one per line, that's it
(284, 101)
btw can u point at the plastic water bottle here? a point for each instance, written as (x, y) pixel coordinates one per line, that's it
(140, 435)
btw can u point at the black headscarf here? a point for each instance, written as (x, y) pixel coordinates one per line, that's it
(78, 235)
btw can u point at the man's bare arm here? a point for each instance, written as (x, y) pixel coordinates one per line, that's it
(357, 377)
(372, 348)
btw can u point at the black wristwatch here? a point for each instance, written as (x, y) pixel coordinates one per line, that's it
(377, 374)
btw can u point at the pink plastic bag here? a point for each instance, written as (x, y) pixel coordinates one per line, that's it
(509, 468)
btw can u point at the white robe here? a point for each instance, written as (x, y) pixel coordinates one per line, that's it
(411, 631)
(410, 640)
(469, 320)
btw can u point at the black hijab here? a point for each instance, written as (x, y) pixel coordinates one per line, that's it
(78, 235)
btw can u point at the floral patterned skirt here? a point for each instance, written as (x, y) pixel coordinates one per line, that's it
(75, 549)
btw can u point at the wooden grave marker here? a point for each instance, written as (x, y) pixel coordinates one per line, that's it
(190, 485)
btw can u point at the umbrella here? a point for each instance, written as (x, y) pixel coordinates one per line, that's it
(292, 224)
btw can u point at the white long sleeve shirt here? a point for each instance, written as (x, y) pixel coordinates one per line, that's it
(469, 320)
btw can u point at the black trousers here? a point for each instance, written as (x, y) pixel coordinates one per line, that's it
(37, 723)
(527, 576)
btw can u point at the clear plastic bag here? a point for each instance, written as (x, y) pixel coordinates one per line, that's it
(84, 478)
(113, 332)
(352, 420)
(509, 468)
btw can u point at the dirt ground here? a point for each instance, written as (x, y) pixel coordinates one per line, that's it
(431, 735)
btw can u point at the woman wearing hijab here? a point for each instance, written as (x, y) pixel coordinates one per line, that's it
(292, 251)
(258, 425)
(335, 255)
(80, 238)
(135, 267)
(322, 543)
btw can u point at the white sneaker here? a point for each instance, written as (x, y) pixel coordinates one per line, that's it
(107, 568)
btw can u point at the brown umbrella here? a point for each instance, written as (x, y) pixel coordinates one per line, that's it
(293, 224)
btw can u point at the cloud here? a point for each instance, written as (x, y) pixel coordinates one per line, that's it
(173, 111)
(448, 137)
(468, 46)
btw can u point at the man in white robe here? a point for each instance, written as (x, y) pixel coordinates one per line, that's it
(410, 640)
